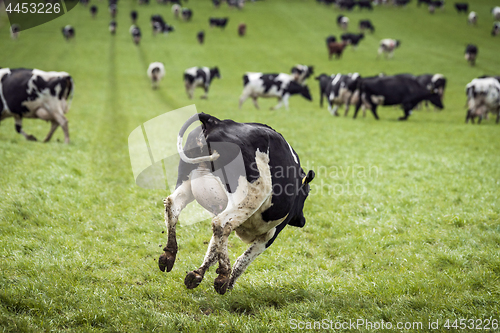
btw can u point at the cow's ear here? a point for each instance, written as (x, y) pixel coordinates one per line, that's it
(308, 178)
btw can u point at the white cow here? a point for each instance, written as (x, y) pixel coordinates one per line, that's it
(156, 72)
(388, 46)
(483, 96)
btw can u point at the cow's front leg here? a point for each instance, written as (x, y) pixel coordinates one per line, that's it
(174, 204)
(254, 99)
(206, 92)
(19, 129)
(63, 122)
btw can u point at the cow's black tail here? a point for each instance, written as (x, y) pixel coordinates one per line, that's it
(205, 119)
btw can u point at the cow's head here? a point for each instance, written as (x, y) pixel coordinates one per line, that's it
(303, 192)
(436, 100)
(398, 42)
(214, 72)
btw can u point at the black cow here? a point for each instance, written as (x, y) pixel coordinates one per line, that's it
(471, 54)
(68, 32)
(134, 15)
(346, 4)
(366, 24)
(401, 89)
(364, 4)
(32, 93)
(258, 200)
(187, 14)
(462, 7)
(199, 77)
(93, 11)
(352, 39)
(200, 36)
(280, 86)
(218, 22)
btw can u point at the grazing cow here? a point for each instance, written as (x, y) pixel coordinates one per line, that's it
(256, 202)
(112, 27)
(218, 22)
(93, 11)
(483, 96)
(280, 86)
(242, 29)
(133, 16)
(156, 72)
(400, 89)
(200, 36)
(352, 39)
(187, 14)
(337, 89)
(342, 22)
(388, 46)
(300, 73)
(68, 32)
(14, 31)
(32, 93)
(496, 29)
(336, 48)
(471, 54)
(159, 25)
(472, 18)
(330, 39)
(435, 83)
(462, 7)
(435, 4)
(135, 31)
(199, 77)
(364, 4)
(366, 24)
(496, 12)
(176, 10)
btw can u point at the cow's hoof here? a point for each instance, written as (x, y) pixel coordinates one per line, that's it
(221, 282)
(167, 259)
(193, 279)
(31, 138)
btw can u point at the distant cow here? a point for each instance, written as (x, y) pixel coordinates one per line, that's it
(462, 7)
(483, 96)
(496, 29)
(218, 22)
(68, 32)
(435, 4)
(400, 89)
(336, 48)
(388, 46)
(365, 4)
(112, 27)
(159, 25)
(156, 72)
(342, 22)
(93, 11)
(338, 90)
(496, 12)
(32, 93)
(187, 14)
(472, 18)
(199, 77)
(242, 29)
(471, 54)
(256, 201)
(135, 32)
(14, 31)
(366, 24)
(133, 16)
(301, 73)
(176, 10)
(280, 86)
(352, 39)
(200, 36)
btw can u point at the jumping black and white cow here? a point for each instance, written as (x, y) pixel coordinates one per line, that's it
(496, 29)
(388, 46)
(156, 72)
(32, 93)
(483, 96)
(280, 86)
(112, 27)
(199, 77)
(256, 201)
(68, 32)
(218, 22)
(301, 73)
(366, 24)
(352, 39)
(401, 89)
(342, 22)
(135, 31)
(471, 54)
(462, 7)
(472, 18)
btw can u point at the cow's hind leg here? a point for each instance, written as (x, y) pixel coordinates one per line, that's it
(19, 129)
(53, 127)
(174, 204)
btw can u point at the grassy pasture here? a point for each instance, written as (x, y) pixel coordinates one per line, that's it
(403, 221)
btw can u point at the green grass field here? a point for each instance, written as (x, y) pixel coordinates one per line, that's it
(403, 220)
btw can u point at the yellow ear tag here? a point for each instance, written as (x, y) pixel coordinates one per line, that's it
(304, 179)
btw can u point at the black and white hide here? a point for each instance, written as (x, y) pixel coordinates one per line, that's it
(255, 201)
(472, 18)
(387, 46)
(496, 29)
(280, 86)
(156, 72)
(496, 12)
(135, 32)
(68, 32)
(112, 27)
(32, 93)
(342, 22)
(471, 54)
(199, 77)
(301, 73)
(483, 96)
